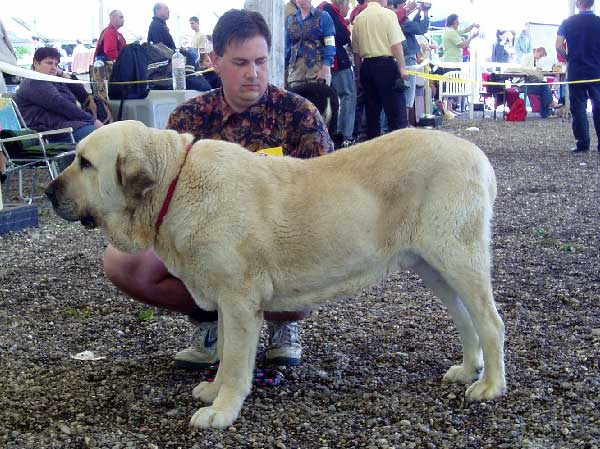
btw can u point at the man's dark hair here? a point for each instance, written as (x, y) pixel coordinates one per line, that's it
(46, 52)
(587, 3)
(238, 25)
(451, 19)
(194, 19)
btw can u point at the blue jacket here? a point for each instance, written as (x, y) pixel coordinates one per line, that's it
(304, 38)
(342, 37)
(46, 105)
(159, 32)
(410, 46)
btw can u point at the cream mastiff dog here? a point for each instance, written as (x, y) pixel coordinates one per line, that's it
(248, 233)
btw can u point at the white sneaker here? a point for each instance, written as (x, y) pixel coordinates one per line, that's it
(203, 351)
(285, 348)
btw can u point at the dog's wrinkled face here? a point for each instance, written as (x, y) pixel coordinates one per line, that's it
(108, 178)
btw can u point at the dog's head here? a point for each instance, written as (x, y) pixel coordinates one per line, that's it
(326, 100)
(112, 181)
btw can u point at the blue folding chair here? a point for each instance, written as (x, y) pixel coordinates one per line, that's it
(26, 149)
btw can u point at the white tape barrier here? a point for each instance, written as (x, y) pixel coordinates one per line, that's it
(32, 74)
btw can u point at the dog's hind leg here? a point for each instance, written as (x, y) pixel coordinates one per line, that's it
(468, 274)
(472, 363)
(233, 382)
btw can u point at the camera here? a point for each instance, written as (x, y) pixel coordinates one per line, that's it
(401, 85)
(424, 5)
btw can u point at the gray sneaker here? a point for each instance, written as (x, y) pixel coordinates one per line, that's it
(285, 348)
(203, 351)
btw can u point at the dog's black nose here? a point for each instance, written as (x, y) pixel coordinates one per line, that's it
(50, 192)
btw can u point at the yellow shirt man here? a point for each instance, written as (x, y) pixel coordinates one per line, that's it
(379, 60)
(375, 30)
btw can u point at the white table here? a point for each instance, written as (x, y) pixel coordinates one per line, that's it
(154, 110)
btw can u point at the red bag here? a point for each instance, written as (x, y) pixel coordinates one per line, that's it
(518, 111)
(511, 96)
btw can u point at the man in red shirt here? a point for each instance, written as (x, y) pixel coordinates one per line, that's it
(111, 42)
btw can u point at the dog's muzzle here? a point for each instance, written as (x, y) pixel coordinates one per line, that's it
(50, 192)
(66, 209)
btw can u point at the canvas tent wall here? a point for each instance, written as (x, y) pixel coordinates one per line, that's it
(544, 35)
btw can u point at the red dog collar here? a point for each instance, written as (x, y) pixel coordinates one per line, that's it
(165, 207)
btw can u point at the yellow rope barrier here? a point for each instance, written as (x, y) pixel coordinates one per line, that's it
(198, 73)
(435, 77)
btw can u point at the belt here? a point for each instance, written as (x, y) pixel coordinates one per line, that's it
(375, 58)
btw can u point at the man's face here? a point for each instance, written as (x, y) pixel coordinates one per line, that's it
(163, 12)
(305, 4)
(344, 8)
(195, 25)
(244, 71)
(48, 66)
(117, 19)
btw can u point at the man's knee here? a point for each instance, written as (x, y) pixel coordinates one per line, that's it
(113, 265)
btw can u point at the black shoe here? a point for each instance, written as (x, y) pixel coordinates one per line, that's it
(2, 177)
(579, 150)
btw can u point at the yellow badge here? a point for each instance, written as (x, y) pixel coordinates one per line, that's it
(275, 151)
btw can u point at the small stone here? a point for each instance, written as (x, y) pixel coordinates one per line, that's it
(565, 431)
(451, 396)
(65, 429)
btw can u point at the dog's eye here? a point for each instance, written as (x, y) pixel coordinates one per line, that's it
(84, 163)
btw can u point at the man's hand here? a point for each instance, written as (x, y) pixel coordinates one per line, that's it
(403, 72)
(324, 73)
(98, 123)
(410, 6)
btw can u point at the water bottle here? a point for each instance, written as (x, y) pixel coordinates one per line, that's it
(98, 77)
(178, 68)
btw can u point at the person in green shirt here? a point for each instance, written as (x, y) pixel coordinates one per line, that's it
(452, 41)
(453, 45)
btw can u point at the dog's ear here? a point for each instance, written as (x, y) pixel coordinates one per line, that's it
(135, 176)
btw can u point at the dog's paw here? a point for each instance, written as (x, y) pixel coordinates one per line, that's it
(206, 392)
(211, 417)
(458, 374)
(484, 389)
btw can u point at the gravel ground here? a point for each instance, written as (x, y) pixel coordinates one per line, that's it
(372, 368)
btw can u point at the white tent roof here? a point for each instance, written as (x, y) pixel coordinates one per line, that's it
(68, 20)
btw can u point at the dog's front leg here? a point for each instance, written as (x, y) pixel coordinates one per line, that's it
(208, 391)
(240, 332)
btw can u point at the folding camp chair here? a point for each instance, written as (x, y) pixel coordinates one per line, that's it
(25, 149)
(452, 89)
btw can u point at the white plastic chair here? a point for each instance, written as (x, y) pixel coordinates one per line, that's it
(449, 88)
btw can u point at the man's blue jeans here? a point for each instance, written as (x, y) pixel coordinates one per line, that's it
(578, 97)
(343, 83)
(545, 94)
(84, 131)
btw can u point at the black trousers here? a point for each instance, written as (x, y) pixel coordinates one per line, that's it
(378, 76)
(578, 97)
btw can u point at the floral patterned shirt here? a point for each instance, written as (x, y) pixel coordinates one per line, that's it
(279, 119)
